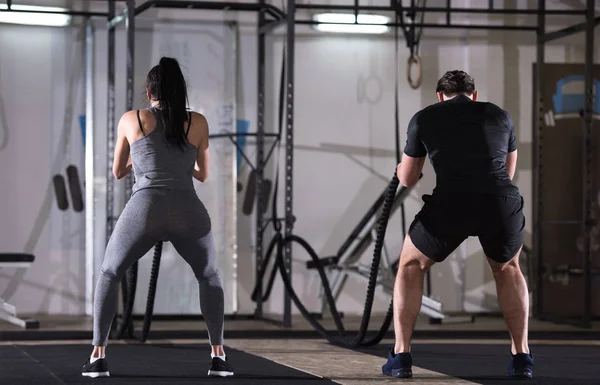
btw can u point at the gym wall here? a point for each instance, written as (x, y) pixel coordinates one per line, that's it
(38, 81)
(344, 157)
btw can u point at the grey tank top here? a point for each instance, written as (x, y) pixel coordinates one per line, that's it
(158, 164)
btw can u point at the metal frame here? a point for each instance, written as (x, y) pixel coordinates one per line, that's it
(542, 38)
(289, 154)
(270, 17)
(263, 10)
(587, 222)
(89, 166)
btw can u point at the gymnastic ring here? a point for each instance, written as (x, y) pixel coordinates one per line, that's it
(414, 59)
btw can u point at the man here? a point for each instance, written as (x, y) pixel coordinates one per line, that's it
(473, 150)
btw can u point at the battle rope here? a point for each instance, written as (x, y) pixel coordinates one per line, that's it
(151, 291)
(279, 242)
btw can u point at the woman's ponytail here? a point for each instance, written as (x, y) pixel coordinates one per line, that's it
(167, 85)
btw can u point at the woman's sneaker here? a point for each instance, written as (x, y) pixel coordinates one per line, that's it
(98, 368)
(220, 368)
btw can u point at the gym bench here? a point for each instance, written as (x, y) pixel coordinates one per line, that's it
(8, 312)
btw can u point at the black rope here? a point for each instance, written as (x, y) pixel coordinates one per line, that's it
(128, 288)
(130, 282)
(118, 329)
(279, 242)
(151, 291)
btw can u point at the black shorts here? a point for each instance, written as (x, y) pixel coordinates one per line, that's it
(446, 220)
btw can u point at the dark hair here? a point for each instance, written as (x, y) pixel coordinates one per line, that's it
(167, 85)
(456, 82)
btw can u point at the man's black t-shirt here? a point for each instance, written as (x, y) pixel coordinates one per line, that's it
(467, 143)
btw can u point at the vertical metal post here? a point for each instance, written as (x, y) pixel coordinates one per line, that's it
(289, 154)
(110, 120)
(538, 111)
(588, 159)
(110, 129)
(130, 30)
(89, 168)
(260, 160)
(129, 282)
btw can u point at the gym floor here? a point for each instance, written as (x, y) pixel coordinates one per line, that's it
(265, 353)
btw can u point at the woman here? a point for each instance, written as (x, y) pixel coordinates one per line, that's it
(166, 146)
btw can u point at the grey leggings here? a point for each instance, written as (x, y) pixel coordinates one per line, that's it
(151, 216)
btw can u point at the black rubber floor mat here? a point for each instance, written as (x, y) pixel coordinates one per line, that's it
(141, 364)
(487, 364)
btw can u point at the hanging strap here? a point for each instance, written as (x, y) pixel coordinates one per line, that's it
(189, 124)
(276, 224)
(140, 122)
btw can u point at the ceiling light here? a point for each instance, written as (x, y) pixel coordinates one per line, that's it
(348, 23)
(34, 15)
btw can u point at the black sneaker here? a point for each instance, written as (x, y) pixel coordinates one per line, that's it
(220, 368)
(398, 365)
(521, 366)
(98, 369)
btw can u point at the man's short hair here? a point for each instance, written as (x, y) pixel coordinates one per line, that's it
(456, 82)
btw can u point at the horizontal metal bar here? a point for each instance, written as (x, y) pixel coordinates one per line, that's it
(232, 6)
(15, 265)
(8, 308)
(426, 25)
(209, 5)
(401, 8)
(563, 320)
(432, 312)
(13, 320)
(241, 134)
(573, 271)
(66, 12)
(431, 303)
(567, 31)
(144, 7)
(270, 26)
(566, 222)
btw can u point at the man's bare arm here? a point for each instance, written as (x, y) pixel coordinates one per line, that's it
(511, 163)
